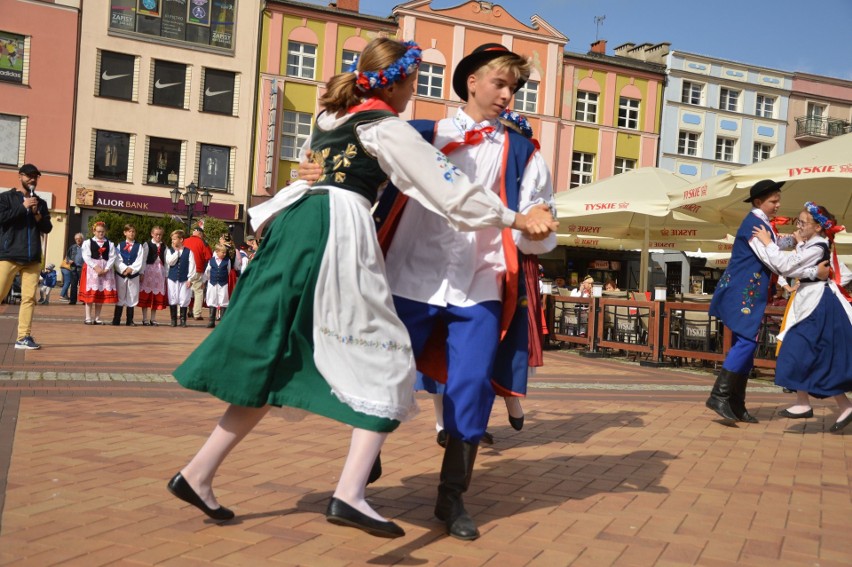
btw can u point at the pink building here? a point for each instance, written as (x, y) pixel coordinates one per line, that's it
(38, 74)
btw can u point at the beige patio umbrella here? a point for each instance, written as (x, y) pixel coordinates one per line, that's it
(821, 173)
(634, 206)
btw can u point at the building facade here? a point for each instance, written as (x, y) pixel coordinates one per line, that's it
(38, 73)
(820, 108)
(719, 115)
(165, 100)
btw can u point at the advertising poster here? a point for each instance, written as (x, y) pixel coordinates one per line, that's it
(148, 8)
(215, 161)
(174, 19)
(11, 57)
(222, 18)
(123, 15)
(198, 12)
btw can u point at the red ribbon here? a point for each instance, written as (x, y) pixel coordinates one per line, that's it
(471, 138)
(775, 222)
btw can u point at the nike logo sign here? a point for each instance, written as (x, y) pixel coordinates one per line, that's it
(160, 85)
(107, 77)
(208, 92)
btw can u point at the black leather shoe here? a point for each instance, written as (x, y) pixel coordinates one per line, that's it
(517, 423)
(487, 438)
(342, 514)
(180, 488)
(442, 438)
(376, 471)
(839, 425)
(791, 415)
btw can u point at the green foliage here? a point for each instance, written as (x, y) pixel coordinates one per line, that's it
(213, 229)
(115, 225)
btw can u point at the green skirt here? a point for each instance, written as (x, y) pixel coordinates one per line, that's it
(262, 351)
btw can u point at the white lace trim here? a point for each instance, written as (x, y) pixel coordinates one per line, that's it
(377, 409)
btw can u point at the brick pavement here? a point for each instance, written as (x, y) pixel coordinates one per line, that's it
(617, 465)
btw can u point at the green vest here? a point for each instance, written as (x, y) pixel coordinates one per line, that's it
(344, 161)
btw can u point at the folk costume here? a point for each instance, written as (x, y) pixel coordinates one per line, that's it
(216, 276)
(129, 255)
(327, 338)
(815, 355)
(740, 299)
(152, 287)
(96, 288)
(181, 262)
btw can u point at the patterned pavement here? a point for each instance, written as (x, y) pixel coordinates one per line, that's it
(617, 464)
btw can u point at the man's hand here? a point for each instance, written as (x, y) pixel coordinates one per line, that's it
(308, 170)
(31, 203)
(537, 223)
(824, 270)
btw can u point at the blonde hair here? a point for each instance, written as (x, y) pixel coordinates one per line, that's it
(179, 233)
(220, 248)
(514, 64)
(342, 93)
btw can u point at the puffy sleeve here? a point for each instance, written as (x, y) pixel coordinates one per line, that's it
(536, 189)
(800, 263)
(425, 174)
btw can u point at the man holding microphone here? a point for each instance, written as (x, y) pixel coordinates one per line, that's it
(23, 220)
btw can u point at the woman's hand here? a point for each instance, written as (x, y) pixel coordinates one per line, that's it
(309, 170)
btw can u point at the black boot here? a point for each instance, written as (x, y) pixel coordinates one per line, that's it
(173, 311)
(116, 316)
(212, 322)
(130, 322)
(720, 397)
(183, 316)
(456, 472)
(222, 312)
(738, 399)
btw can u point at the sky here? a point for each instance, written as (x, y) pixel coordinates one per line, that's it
(810, 36)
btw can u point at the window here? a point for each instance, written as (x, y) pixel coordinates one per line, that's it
(13, 52)
(587, 107)
(623, 165)
(765, 106)
(725, 149)
(301, 60)
(112, 155)
(581, 169)
(761, 152)
(628, 113)
(430, 80)
(729, 99)
(201, 22)
(214, 166)
(347, 59)
(816, 111)
(169, 84)
(691, 93)
(295, 129)
(116, 76)
(219, 87)
(10, 139)
(526, 99)
(163, 167)
(687, 143)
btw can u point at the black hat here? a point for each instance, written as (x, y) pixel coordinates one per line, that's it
(29, 170)
(480, 56)
(761, 188)
(199, 228)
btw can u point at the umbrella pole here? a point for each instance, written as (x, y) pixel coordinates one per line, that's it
(643, 261)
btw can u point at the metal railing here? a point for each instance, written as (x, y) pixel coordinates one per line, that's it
(807, 126)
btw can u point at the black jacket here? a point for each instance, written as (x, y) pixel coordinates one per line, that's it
(20, 234)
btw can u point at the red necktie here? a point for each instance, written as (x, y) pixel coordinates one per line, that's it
(128, 246)
(471, 138)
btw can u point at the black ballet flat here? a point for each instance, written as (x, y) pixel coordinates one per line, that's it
(839, 425)
(791, 415)
(517, 423)
(181, 489)
(342, 514)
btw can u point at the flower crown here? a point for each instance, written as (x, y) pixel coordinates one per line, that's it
(821, 219)
(395, 72)
(518, 120)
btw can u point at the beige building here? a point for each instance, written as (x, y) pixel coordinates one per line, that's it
(164, 99)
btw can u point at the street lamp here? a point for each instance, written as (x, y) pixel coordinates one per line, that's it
(190, 198)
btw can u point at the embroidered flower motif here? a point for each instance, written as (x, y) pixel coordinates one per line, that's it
(751, 292)
(386, 345)
(724, 281)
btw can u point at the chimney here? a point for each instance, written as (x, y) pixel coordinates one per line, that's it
(599, 47)
(348, 5)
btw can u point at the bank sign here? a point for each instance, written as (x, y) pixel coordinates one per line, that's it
(146, 204)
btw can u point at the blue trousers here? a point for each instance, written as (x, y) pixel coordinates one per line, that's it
(740, 359)
(473, 337)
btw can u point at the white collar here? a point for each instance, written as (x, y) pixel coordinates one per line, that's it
(464, 122)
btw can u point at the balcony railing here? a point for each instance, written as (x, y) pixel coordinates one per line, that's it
(820, 128)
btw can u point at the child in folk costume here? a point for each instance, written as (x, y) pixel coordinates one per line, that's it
(181, 274)
(130, 262)
(47, 279)
(326, 337)
(816, 342)
(97, 280)
(216, 276)
(153, 295)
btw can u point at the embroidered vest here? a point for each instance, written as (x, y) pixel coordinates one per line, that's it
(219, 273)
(129, 256)
(346, 164)
(826, 255)
(154, 252)
(180, 271)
